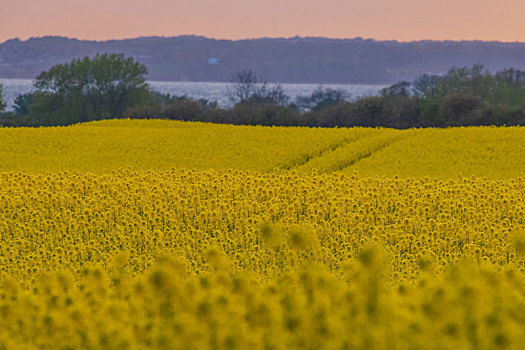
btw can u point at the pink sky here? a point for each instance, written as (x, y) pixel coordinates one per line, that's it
(401, 20)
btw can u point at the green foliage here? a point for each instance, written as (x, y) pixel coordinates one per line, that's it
(461, 97)
(3, 105)
(172, 107)
(263, 113)
(461, 109)
(426, 86)
(111, 86)
(22, 103)
(399, 89)
(321, 98)
(466, 96)
(88, 89)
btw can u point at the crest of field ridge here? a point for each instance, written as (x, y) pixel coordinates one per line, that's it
(105, 146)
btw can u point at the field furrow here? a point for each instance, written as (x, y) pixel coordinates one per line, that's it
(352, 152)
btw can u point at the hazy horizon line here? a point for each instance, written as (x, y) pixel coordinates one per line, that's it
(25, 39)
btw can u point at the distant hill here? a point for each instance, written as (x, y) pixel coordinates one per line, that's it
(293, 60)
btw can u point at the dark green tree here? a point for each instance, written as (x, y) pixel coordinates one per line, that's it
(3, 105)
(459, 109)
(321, 98)
(427, 86)
(88, 89)
(22, 103)
(399, 89)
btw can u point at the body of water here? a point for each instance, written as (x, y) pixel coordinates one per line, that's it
(208, 91)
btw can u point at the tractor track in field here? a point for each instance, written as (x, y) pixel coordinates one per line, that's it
(323, 151)
(365, 155)
(350, 153)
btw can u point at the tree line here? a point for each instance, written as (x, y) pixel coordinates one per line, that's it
(113, 86)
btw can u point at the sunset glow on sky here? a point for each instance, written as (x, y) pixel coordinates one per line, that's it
(402, 20)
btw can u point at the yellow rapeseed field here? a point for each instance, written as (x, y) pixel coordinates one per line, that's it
(104, 146)
(158, 234)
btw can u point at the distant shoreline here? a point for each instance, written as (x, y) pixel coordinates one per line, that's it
(277, 38)
(294, 60)
(212, 91)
